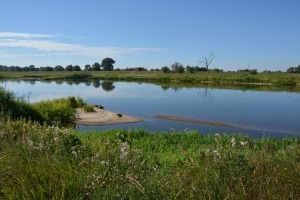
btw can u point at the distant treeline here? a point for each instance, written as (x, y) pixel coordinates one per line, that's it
(107, 65)
(294, 69)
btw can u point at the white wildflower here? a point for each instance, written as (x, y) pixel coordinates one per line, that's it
(233, 142)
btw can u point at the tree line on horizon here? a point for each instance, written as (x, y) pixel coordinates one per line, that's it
(107, 65)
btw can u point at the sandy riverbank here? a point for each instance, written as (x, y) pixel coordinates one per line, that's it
(102, 117)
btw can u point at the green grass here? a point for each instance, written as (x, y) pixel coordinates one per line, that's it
(212, 78)
(41, 162)
(38, 161)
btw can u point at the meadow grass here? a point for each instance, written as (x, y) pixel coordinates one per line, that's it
(212, 78)
(38, 161)
(43, 162)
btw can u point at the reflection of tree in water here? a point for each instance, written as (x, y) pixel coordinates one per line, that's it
(207, 94)
(77, 82)
(69, 82)
(108, 86)
(165, 87)
(59, 82)
(96, 83)
(88, 83)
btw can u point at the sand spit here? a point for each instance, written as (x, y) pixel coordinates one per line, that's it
(103, 117)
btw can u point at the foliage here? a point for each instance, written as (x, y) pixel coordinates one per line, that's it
(165, 69)
(58, 110)
(16, 107)
(42, 162)
(96, 67)
(294, 69)
(88, 108)
(107, 64)
(177, 67)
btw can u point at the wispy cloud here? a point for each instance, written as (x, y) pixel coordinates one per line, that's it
(44, 43)
(24, 35)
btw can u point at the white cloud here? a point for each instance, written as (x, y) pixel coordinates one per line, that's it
(43, 43)
(24, 35)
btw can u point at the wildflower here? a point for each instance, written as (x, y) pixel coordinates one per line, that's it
(124, 149)
(243, 143)
(233, 142)
(74, 153)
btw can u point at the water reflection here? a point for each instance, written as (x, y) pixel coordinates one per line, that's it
(108, 86)
(258, 112)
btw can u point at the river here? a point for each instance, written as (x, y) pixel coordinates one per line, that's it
(253, 112)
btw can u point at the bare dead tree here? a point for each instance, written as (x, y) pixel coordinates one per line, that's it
(207, 61)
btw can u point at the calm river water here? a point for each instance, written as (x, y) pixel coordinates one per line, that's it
(256, 113)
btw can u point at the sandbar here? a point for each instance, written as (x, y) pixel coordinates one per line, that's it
(103, 117)
(192, 120)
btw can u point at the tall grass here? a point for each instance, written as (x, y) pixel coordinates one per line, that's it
(42, 162)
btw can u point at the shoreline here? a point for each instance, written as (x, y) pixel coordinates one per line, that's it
(103, 117)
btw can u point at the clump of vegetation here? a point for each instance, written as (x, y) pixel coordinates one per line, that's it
(16, 107)
(59, 110)
(88, 108)
(41, 162)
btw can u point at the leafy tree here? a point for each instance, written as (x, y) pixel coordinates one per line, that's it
(294, 69)
(96, 66)
(190, 69)
(165, 69)
(69, 68)
(32, 68)
(76, 68)
(107, 64)
(48, 68)
(177, 67)
(87, 67)
(59, 68)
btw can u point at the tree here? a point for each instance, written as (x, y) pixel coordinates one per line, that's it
(59, 68)
(294, 69)
(190, 69)
(96, 66)
(107, 64)
(165, 69)
(69, 68)
(207, 61)
(32, 68)
(87, 68)
(177, 67)
(76, 68)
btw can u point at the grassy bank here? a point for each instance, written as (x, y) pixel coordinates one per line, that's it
(212, 78)
(42, 162)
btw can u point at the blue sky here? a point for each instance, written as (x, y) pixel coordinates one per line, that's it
(256, 34)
